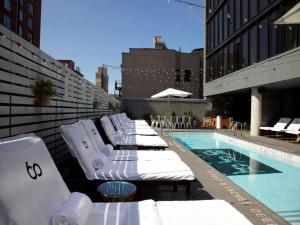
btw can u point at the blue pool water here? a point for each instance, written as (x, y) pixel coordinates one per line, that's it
(273, 181)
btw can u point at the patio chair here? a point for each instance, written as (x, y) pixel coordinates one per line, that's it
(153, 121)
(294, 128)
(119, 139)
(279, 126)
(91, 132)
(131, 130)
(189, 122)
(182, 123)
(158, 121)
(176, 123)
(32, 192)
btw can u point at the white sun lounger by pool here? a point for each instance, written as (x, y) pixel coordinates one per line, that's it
(118, 138)
(32, 192)
(98, 144)
(138, 170)
(131, 124)
(129, 121)
(294, 128)
(279, 126)
(132, 130)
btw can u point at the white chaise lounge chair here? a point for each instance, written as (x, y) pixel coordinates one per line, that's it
(125, 118)
(294, 128)
(119, 139)
(132, 130)
(279, 126)
(116, 155)
(32, 192)
(138, 170)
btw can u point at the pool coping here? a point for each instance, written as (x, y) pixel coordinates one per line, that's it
(220, 187)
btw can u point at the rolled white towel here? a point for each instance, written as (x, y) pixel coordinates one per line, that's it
(107, 150)
(98, 160)
(74, 211)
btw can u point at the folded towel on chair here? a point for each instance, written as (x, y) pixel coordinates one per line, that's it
(74, 211)
(99, 160)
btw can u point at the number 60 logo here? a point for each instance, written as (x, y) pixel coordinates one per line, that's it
(34, 171)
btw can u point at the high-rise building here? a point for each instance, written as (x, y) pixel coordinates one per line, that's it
(22, 17)
(102, 78)
(252, 60)
(147, 71)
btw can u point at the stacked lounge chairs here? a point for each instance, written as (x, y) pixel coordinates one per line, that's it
(33, 192)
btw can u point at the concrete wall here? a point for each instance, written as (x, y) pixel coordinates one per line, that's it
(149, 71)
(138, 107)
(280, 71)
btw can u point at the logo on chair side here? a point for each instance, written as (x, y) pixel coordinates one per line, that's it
(34, 171)
(94, 132)
(85, 144)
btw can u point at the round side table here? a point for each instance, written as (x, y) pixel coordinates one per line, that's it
(117, 191)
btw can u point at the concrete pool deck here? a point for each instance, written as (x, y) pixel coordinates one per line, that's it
(215, 185)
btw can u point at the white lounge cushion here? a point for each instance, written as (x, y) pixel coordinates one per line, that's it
(139, 131)
(145, 141)
(144, 155)
(209, 212)
(171, 170)
(294, 125)
(280, 125)
(293, 132)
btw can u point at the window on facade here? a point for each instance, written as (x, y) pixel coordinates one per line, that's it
(21, 15)
(7, 5)
(274, 34)
(177, 75)
(253, 8)
(30, 8)
(216, 31)
(20, 30)
(245, 49)
(263, 39)
(245, 11)
(237, 54)
(7, 21)
(30, 23)
(253, 45)
(289, 33)
(230, 58)
(221, 25)
(230, 16)
(225, 14)
(187, 75)
(237, 14)
(262, 4)
(220, 63)
(225, 60)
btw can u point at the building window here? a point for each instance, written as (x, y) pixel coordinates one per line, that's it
(225, 18)
(21, 15)
(216, 36)
(230, 58)
(245, 11)
(7, 21)
(237, 14)
(187, 75)
(29, 37)
(21, 2)
(220, 25)
(237, 54)
(30, 8)
(245, 49)
(289, 33)
(253, 8)
(225, 60)
(20, 30)
(7, 5)
(253, 45)
(274, 34)
(262, 4)
(30, 23)
(263, 39)
(177, 75)
(230, 16)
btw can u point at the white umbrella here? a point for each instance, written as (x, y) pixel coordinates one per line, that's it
(171, 92)
(291, 17)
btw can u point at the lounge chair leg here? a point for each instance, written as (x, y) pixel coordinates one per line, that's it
(175, 187)
(188, 191)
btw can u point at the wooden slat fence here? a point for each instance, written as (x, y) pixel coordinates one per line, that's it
(20, 64)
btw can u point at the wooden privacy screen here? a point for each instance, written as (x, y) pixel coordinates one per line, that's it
(20, 63)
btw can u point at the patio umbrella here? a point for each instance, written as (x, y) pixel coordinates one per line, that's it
(291, 17)
(171, 92)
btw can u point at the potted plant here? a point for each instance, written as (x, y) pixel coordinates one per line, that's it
(43, 91)
(96, 103)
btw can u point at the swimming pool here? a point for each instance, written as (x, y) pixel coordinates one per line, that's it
(271, 176)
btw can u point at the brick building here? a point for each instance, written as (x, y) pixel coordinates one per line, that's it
(102, 78)
(22, 17)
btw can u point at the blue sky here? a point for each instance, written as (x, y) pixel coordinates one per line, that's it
(96, 32)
